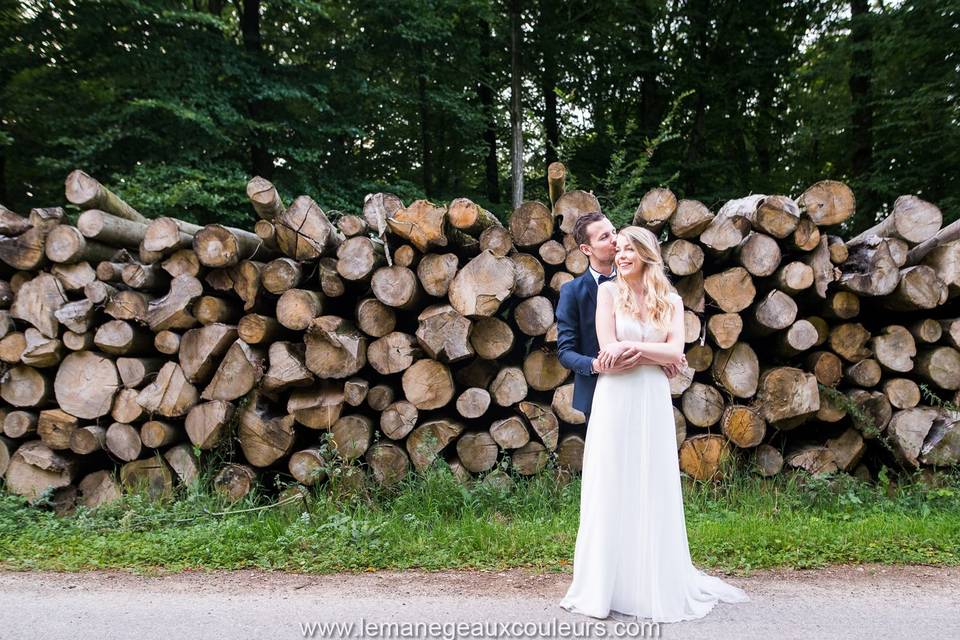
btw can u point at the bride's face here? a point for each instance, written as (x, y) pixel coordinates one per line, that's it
(628, 263)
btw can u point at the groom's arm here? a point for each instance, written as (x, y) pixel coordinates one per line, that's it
(568, 335)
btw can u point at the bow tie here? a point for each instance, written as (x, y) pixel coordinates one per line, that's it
(604, 278)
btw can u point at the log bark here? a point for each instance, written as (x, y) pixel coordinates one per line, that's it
(264, 198)
(912, 219)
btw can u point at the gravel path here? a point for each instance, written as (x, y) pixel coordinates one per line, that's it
(839, 602)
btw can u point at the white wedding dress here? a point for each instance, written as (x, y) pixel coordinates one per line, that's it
(632, 555)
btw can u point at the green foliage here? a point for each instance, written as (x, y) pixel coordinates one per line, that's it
(431, 521)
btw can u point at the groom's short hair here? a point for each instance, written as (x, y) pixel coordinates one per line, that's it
(580, 226)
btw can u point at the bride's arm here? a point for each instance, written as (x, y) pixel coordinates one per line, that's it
(671, 351)
(606, 320)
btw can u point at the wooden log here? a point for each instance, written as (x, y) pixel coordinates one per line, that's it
(239, 372)
(423, 224)
(297, 308)
(110, 271)
(351, 226)
(208, 422)
(317, 407)
(777, 216)
(97, 489)
(35, 469)
(737, 370)
(531, 224)
(173, 311)
(157, 434)
(510, 432)
(865, 373)
(126, 409)
(529, 459)
(682, 257)
(335, 349)
(359, 257)
(477, 451)
(182, 263)
(556, 180)
(570, 453)
(184, 463)
(497, 241)
(702, 405)
(119, 337)
(826, 367)
(562, 405)
(398, 419)
(828, 202)
(144, 277)
(767, 460)
(85, 192)
(352, 435)
(436, 271)
(393, 353)
(807, 236)
(849, 341)
(544, 422)
(167, 342)
(426, 441)
(917, 288)
(571, 205)
(111, 230)
(20, 424)
(774, 312)
(396, 287)
(12, 346)
(76, 316)
(703, 457)
(37, 302)
(491, 337)
(482, 285)
(799, 337)
(39, 351)
(732, 289)
(530, 275)
(12, 224)
(171, 395)
(123, 441)
(469, 217)
(428, 384)
(167, 235)
(86, 384)
(303, 231)
(873, 412)
(235, 481)
(219, 246)
(287, 369)
(743, 426)
(794, 277)
(473, 402)
(54, 427)
(552, 252)
(73, 277)
(542, 370)
(201, 349)
(787, 397)
(444, 334)
(940, 365)
(656, 207)
(907, 431)
(308, 466)
(912, 219)
(700, 357)
(256, 328)
(67, 245)
(128, 305)
(355, 391)
(894, 349)
(265, 437)
(870, 269)
(690, 219)
(264, 198)
(509, 386)
(759, 254)
(724, 329)
(534, 315)
(814, 459)
(78, 341)
(377, 207)
(25, 251)
(841, 305)
(388, 462)
(280, 275)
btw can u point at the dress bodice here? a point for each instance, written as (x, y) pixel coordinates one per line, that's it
(631, 328)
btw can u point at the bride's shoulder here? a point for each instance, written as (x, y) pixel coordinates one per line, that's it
(675, 298)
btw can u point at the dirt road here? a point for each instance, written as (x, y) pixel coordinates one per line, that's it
(840, 602)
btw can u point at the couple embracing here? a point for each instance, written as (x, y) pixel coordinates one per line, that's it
(621, 331)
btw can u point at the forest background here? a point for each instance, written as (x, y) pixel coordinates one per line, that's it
(175, 103)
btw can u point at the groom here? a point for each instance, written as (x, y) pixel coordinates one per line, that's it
(577, 345)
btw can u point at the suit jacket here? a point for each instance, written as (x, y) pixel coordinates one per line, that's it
(577, 343)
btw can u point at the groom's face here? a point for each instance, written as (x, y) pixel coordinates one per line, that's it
(602, 241)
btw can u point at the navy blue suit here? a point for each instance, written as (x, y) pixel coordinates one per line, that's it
(577, 343)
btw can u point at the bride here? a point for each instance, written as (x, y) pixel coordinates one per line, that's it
(632, 555)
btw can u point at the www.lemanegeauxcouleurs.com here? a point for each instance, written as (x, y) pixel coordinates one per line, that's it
(456, 630)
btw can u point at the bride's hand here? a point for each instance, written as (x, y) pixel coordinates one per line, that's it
(611, 353)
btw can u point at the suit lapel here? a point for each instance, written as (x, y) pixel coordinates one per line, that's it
(591, 286)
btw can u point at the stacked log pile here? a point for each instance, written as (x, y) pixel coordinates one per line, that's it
(409, 333)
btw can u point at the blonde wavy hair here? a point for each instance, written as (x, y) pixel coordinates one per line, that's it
(655, 285)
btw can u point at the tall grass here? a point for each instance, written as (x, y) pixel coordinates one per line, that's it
(430, 521)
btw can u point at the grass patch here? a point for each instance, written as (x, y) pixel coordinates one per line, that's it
(432, 522)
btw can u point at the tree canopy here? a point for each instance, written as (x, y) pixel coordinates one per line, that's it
(176, 103)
